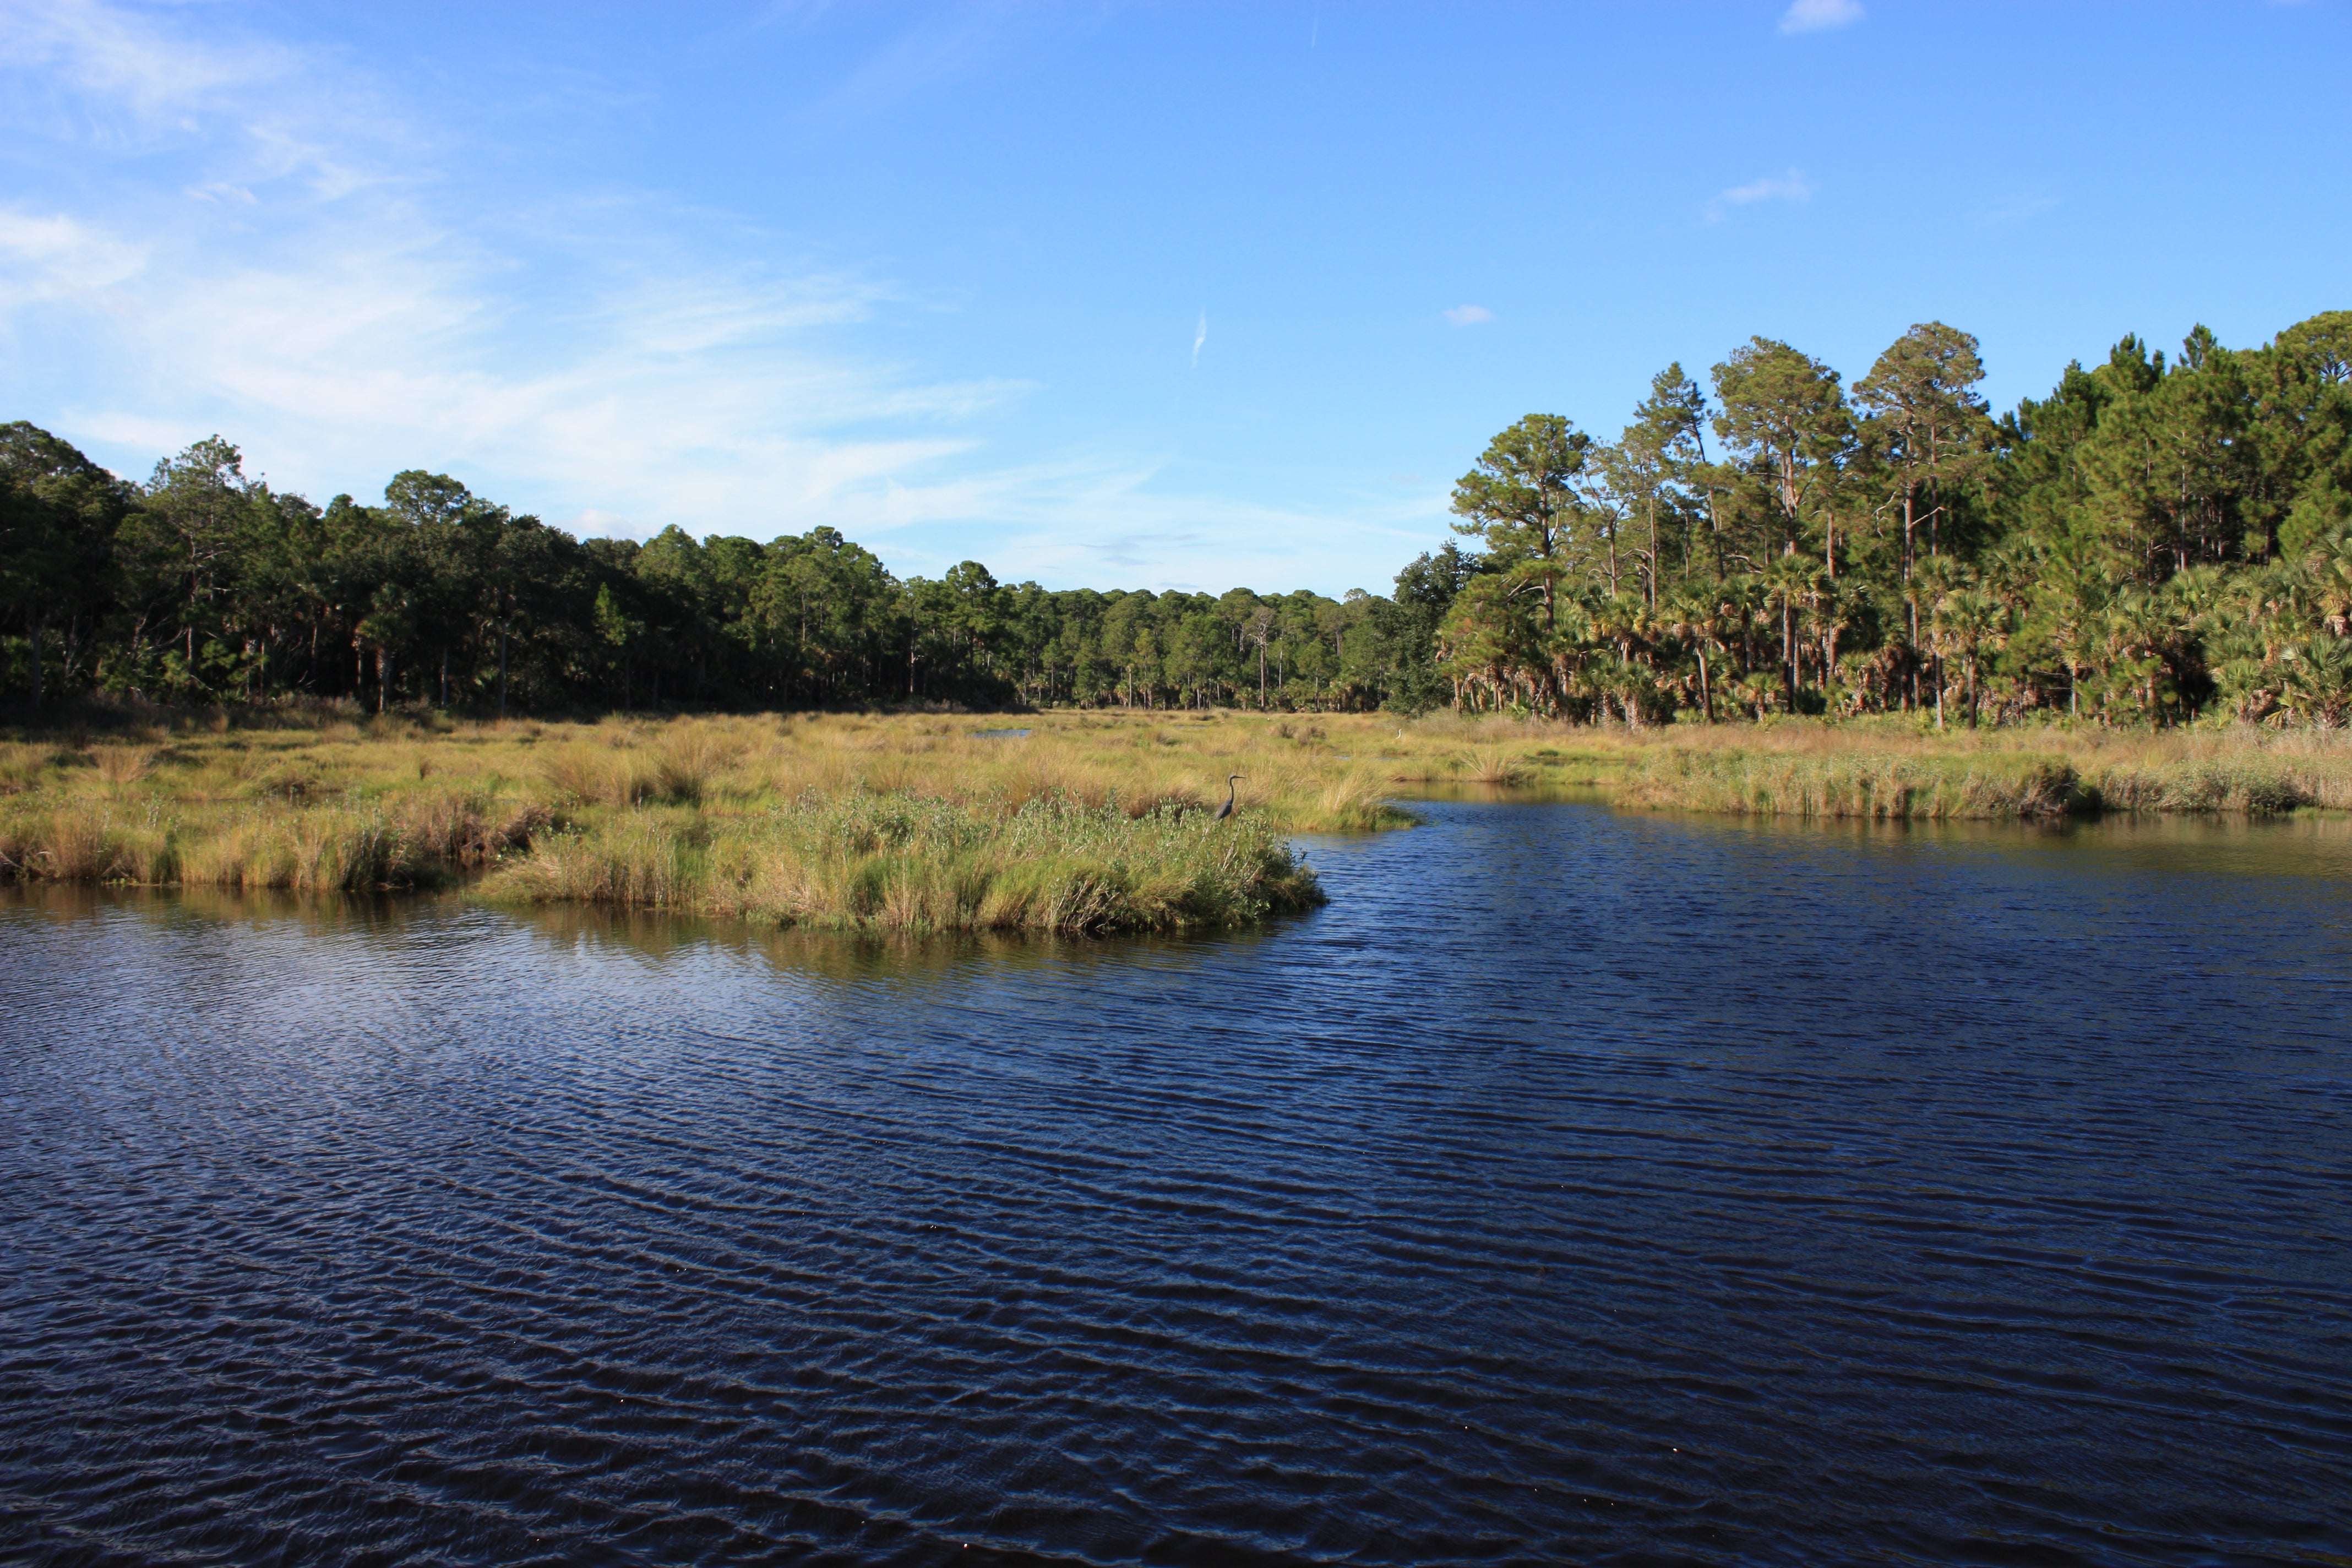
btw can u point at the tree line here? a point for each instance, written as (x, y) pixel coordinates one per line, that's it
(201, 584)
(2151, 541)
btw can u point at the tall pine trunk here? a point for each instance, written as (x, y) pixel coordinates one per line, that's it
(1654, 552)
(1910, 601)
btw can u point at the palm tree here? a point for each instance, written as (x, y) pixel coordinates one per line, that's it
(2317, 685)
(1621, 619)
(2075, 585)
(1829, 610)
(1696, 615)
(1966, 622)
(2138, 629)
(1759, 689)
(1789, 580)
(2330, 566)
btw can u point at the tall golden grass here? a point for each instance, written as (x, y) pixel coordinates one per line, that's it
(904, 861)
(1897, 772)
(1088, 821)
(1084, 824)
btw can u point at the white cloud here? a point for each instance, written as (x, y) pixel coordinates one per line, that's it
(1820, 15)
(1469, 315)
(1103, 519)
(55, 258)
(236, 237)
(2024, 210)
(1792, 186)
(672, 396)
(119, 82)
(952, 43)
(1200, 338)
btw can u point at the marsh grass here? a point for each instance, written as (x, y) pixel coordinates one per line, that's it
(1492, 765)
(904, 822)
(124, 764)
(908, 862)
(1899, 772)
(1092, 821)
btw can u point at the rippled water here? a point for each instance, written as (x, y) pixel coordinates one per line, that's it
(1576, 1188)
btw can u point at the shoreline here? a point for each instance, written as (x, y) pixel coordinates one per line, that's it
(1089, 823)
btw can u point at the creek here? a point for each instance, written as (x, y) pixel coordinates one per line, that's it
(1577, 1187)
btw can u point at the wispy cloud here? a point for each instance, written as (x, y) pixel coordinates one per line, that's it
(949, 43)
(1200, 337)
(2020, 211)
(1820, 15)
(119, 82)
(225, 234)
(57, 257)
(1792, 186)
(1111, 520)
(1468, 315)
(345, 313)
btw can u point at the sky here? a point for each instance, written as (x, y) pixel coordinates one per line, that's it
(1161, 296)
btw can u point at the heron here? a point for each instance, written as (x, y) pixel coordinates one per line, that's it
(1226, 810)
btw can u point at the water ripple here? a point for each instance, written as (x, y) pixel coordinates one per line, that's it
(1577, 1187)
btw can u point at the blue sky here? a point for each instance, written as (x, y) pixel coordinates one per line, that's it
(1149, 296)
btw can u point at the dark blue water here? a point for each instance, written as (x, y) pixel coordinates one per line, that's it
(1577, 1188)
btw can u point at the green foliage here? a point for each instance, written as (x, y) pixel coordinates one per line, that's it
(59, 516)
(2152, 541)
(203, 585)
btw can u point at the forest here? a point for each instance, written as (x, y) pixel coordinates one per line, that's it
(2155, 540)
(202, 585)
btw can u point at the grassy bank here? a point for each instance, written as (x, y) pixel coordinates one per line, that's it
(1085, 822)
(1892, 770)
(908, 821)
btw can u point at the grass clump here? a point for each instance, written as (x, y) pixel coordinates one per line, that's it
(908, 862)
(338, 847)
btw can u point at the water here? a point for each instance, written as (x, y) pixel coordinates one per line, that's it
(1576, 1188)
